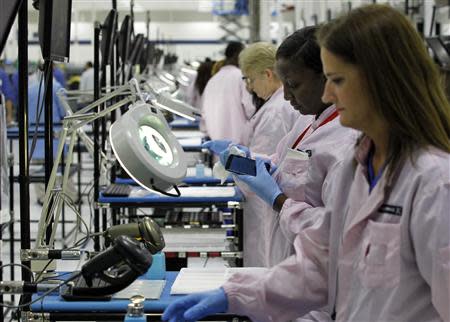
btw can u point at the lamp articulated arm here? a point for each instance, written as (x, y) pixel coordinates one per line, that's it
(87, 141)
(54, 197)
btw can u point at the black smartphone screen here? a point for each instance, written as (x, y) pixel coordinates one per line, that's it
(241, 165)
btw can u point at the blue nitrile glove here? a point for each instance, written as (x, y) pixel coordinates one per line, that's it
(196, 306)
(262, 184)
(273, 167)
(223, 156)
(216, 146)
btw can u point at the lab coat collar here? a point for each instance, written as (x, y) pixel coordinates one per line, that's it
(228, 67)
(323, 116)
(361, 155)
(272, 97)
(362, 150)
(277, 93)
(380, 193)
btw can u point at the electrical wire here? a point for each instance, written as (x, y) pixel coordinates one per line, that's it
(33, 143)
(19, 265)
(43, 294)
(7, 224)
(56, 277)
(39, 109)
(43, 270)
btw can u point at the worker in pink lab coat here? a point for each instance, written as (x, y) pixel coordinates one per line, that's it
(381, 251)
(197, 87)
(304, 157)
(267, 126)
(227, 105)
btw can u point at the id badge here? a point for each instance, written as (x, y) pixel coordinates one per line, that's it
(298, 154)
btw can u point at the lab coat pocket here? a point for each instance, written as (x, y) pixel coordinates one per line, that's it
(293, 177)
(379, 265)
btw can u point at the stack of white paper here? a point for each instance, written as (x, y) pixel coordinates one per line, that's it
(191, 280)
(149, 289)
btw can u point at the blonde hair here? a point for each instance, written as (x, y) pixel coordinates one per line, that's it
(257, 57)
(403, 82)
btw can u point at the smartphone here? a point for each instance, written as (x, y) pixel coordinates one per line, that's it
(242, 165)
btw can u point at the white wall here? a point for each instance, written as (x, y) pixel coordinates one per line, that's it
(84, 31)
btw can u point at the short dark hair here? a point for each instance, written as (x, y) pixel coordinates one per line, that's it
(302, 46)
(233, 49)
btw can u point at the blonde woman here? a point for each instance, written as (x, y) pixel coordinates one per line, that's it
(266, 127)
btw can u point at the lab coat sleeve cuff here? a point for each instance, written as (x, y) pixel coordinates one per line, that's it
(293, 218)
(243, 290)
(238, 302)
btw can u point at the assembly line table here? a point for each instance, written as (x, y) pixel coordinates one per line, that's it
(183, 124)
(55, 308)
(167, 202)
(162, 201)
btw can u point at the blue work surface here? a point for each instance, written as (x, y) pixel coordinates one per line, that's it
(191, 144)
(188, 180)
(54, 303)
(183, 123)
(161, 199)
(13, 132)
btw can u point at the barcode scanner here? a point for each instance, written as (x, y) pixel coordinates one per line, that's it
(147, 231)
(109, 272)
(125, 249)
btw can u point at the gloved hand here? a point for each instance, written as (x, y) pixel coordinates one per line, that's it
(263, 184)
(273, 167)
(196, 306)
(216, 146)
(239, 149)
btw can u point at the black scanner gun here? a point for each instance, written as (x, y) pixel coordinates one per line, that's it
(109, 272)
(146, 231)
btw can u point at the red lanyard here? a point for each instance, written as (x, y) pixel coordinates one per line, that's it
(327, 120)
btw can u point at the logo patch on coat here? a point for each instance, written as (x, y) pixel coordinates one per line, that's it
(392, 210)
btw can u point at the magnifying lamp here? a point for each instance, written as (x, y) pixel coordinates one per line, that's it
(146, 148)
(164, 100)
(158, 85)
(141, 140)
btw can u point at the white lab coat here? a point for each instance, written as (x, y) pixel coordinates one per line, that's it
(227, 105)
(264, 131)
(87, 84)
(383, 256)
(303, 179)
(87, 80)
(193, 96)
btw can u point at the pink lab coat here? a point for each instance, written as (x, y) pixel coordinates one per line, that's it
(383, 256)
(194, 98)
(264, 131)
(227, 105)
(302, 179)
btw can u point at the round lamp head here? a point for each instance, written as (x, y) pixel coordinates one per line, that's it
(147, 149)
